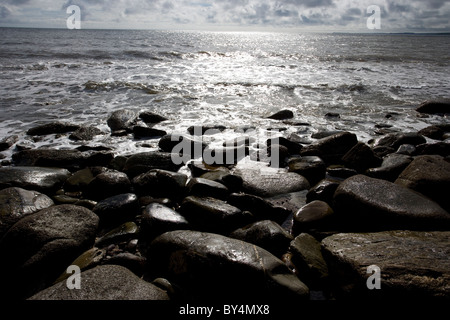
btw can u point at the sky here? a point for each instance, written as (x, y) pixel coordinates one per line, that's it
(234, 15)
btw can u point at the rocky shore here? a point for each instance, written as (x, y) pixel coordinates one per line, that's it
(308, 228)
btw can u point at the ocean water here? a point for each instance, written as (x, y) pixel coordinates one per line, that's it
(227, 78)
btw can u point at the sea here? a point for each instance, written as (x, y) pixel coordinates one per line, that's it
(368, 84)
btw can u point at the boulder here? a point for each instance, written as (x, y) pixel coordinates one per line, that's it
(8, 142)
(146, 161)
(85, 133)
(79, 180)
(108, 282)
(108, 184)
(396, 139)
(361, 158)
(117, 209)
(332, 148)
(33, 178)
(429, 175)
(209, 214)
(207, 188)
(150, 117)
(377, 205)
(434, 107)
(160, 183)
(146, 132)
(282, 115)
(16, 203)
(266, 234)
(412, 264)
(310, 167)
(39, 246)
(433, 132)
(391, 167)
(122, 120)
(125, 232)
(439, 148)
(214, 267)
(231, 181)
(51, 128)
(314, 215)
(271, 183)
(189, 147)
(323, 190)
(69, 159)
(308, 260)
(292, 146)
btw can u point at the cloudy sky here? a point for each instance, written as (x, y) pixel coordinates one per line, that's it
(296, 15)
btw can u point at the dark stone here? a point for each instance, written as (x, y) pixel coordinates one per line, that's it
(323, 190)
(395, 140)
(278, 155)
(372, 204)
(146, 132)
(266, 234)
(308, 260)
(117, 209)
(260, 208)
(79, 180)
(439, 148)
(293, 147)
(331, 149)
(207, 188)
(160, 183)
(391, 167)
(93, 148)
(158, 219)
(290, 201)
(429, 175)
(8, 142)
(100, 158)
(225, 177)
(340, 172)
(124, 232)
(108, 282)
(69, 159)
(382, 151)
(122, 120)
(324, 134)
(132, 262)
(212, 214)
(205, 130)
(413, 265)
(16, 203)
(150, 117)
(85, 133)
(310, 167)
(33, 178)
(406, 149)
(48, 240)
(108, 184)
(314, 215)
(51, 128)
(146, 161)
(271, 183)
(332, 115)
(189, 147)
(432, 132)
(361, 158)
(282, 115)
(211, 266)
(434, 107)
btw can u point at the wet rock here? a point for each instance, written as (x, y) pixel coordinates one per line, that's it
(314, 215)
(439, 148)
(324, 134)
(340, 172)
(124, 232)
(323, 190)
(79, 180)
(150, 117)
(432, 132)
(396, 253)
(146, 161)
(64, 199)
(292, 146)
(212, 214)
(85, 133)
(382, 151)
(117, 209)
(331, 149)
(205, 130)
(373, 204)
(282, 115)
(160, 183)
(232, 267)
(278, 155)
(33, 178)
(122, 120)
(361, 158)
(308, 260)
(207, 188)
(310, 167)
(158, 219)
(434, 107)
(332, 115)
(146, 132)
(16, 203)
(69, 159)
(290, 201)
(8, 142)
(406, 149)
(108, 282)
(391, 167)
(260, 208)
(395, 140)
(108, 184)
(189, 147)
(266, 234)
(231, 181)
(52, 128)
(429, 175)
(54, 237)
(271, 183)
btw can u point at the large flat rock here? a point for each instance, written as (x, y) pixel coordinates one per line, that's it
(412, 263)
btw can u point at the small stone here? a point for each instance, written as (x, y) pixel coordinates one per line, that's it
(52, 128)
(147, 133)
(124, 232)
(121, 120)
(323, 190)
(282, 115)
(310, 167)
(207, 188)
(85, 133)
(315, 215)
(150, 117)
(8, 142)
(108, 184)
(117, 209)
